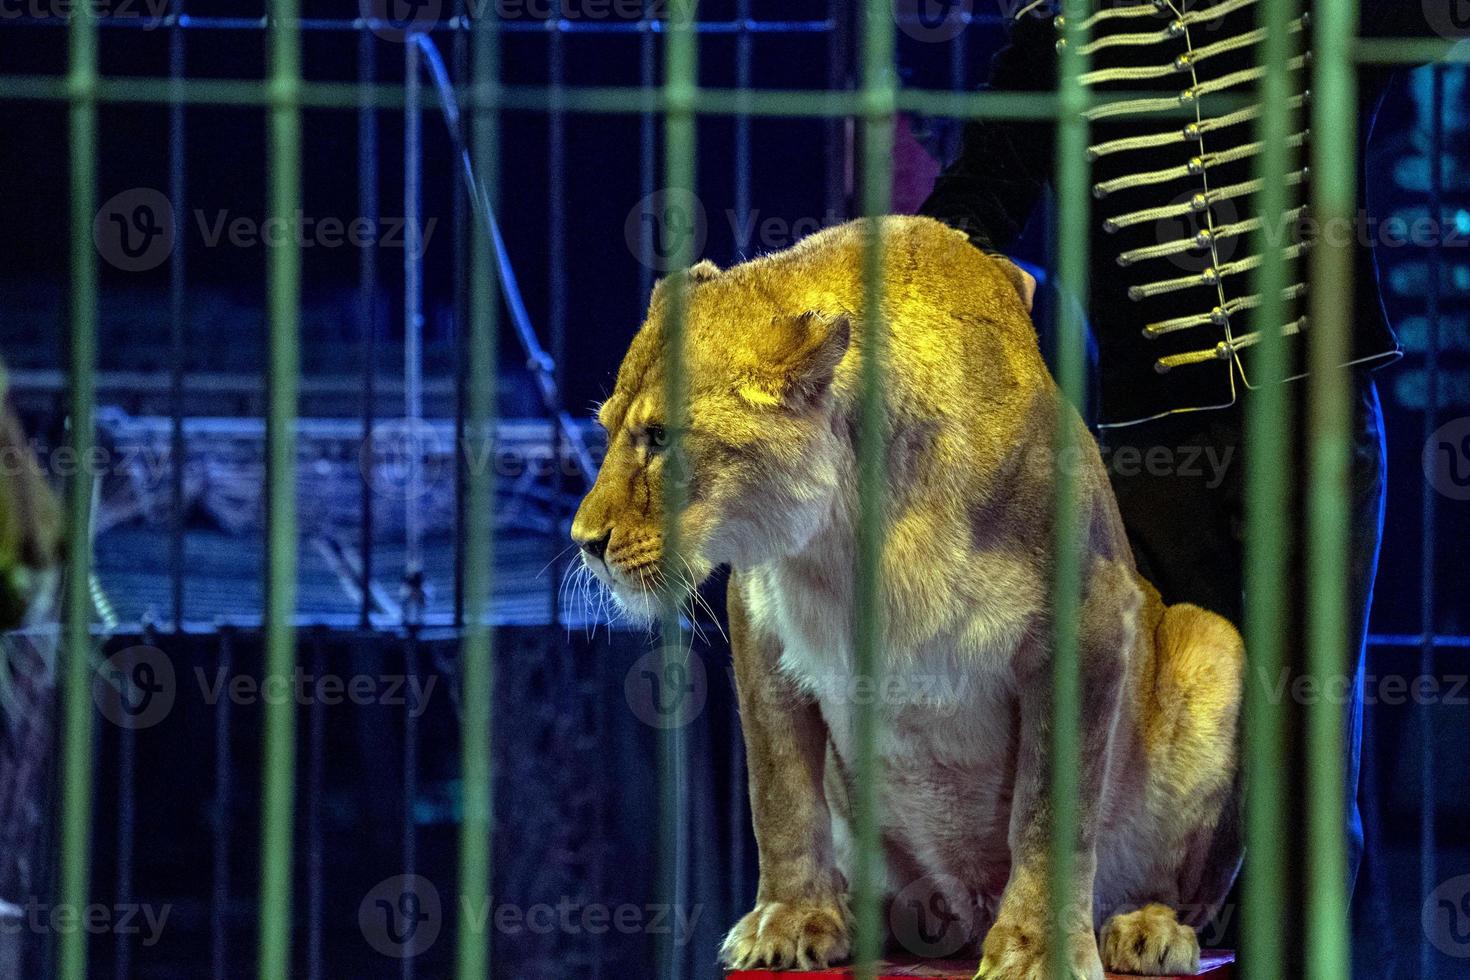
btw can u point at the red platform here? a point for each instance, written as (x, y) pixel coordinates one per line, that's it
(1215, 964)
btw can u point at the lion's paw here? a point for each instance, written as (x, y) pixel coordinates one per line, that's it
(1018, 951)
(1150, 941)
(785, 934)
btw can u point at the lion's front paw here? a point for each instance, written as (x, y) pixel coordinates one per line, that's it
(1150, 941)
(1018, 951)
(785, 934)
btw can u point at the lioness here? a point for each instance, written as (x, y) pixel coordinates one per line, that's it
(773, 363)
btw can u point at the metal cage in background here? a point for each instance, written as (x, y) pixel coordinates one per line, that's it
(680, 102)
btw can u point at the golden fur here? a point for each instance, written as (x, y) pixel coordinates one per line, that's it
(774, 351)
(30, 525)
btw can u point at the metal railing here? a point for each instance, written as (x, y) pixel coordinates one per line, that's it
(681, 102)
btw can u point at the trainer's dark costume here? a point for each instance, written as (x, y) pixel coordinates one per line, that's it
(1171, 302)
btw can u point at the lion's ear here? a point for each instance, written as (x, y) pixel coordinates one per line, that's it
(800, 359)
(702, 271)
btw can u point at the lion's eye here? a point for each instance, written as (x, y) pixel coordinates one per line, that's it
(657, 437)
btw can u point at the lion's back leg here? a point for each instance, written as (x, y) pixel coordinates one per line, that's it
(1191, 733)
(1201, 675)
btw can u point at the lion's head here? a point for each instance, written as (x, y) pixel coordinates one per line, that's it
(759, 457)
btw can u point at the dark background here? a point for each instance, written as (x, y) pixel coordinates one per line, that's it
(574, 766)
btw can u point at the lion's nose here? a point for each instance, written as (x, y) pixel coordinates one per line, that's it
(597, 547)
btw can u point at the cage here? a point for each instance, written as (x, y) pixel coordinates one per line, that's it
(328, 696)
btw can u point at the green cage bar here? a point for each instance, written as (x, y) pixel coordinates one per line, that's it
(76, 735)
(474, 952)
(1336, 50)
(680, 91)
(1268, 521)
(609, 100)
(1074, 201)
(1334, 202)
(283, 281)
(878, 90)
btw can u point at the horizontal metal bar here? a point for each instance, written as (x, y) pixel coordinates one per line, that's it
(1443, 641)
(600, 100)
(527, 25)
(239, 384)
(1401, 51)
(441, 625)
(144, 21)
(431, 625)
(1409, 51)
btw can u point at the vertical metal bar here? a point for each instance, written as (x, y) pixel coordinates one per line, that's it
(744, 56)
(76, 736)
(744, 53)
(283, 271)
(410, 771)
(647, 146)
(126, 836)
(1429, 512)
(219, 950)
(462, 217)
(959, 55)
(178, 451)
(476, 651)
(1268, 521)
(413, 333)
(1329, 513)
(367, 299)
(878, 98)
(556, 288)
(837, 128)
(1073, 239)
(680, 92)
(316, 771)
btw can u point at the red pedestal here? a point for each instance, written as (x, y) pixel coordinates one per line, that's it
(1215, 964)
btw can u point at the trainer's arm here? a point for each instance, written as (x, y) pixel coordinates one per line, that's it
(990, 190)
